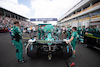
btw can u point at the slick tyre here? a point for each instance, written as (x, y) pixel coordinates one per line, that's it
(31, 51)
(67, 51)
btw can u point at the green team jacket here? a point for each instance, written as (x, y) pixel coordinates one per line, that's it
(15, 30)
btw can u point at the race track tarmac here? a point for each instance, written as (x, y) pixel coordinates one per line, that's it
(85, 57)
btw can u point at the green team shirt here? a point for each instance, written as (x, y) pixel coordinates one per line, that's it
(79, 28)
(90, 30)
(75, 35)
(68, 29)
(83, 29)
(96, 29)
(39, 30)
(15, 30)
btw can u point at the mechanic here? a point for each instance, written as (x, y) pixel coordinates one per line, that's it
(73, 39)
(68, 32)
(83, 31)
(17, 35)
(96, 29)
(56, 30)
(79, 31)
(90, 29)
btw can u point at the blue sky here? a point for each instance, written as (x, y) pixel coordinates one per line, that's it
(28, 4)
(25, 2)
(39, 8)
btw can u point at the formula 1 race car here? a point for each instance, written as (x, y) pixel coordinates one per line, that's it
(48, 44)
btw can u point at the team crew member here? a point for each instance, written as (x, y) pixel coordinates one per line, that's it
(96, 29)
(68, 32)
(90, 29)
(79, 31)
(17, 35)
(83, 31)
(56, 31)
(73, 39)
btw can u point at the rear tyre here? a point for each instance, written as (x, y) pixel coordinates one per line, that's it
(31, 51)
(67, 51)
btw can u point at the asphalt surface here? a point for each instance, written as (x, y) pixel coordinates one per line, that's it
(85, 57)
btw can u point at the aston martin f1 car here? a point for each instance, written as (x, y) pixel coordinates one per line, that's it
(48, 44)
